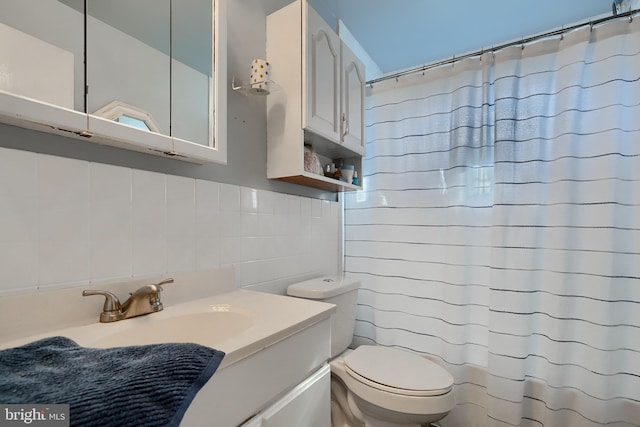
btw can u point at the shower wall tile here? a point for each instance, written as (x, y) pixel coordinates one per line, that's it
(67, 221)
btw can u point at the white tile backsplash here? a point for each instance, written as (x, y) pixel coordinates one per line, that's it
(63, 218)
(67, 221)
(18, 219)
(110, 222)
(248, 199)
(266, 202)
(19, 265)
(181, 224)
(229, 198)
(149, 223)
(207, 245)
(19, 195)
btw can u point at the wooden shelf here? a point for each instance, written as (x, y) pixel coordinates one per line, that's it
(320, 182)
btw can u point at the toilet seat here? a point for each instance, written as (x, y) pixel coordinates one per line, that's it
(396, 371)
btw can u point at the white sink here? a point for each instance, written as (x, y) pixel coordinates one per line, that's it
(239, 323)
(209, 329)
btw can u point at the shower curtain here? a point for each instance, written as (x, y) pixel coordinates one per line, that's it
(498, 230)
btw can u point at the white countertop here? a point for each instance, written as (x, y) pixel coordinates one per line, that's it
(240, 323)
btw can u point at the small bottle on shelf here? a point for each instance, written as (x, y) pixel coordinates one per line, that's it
(338, 173)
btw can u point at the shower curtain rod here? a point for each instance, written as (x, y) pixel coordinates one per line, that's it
(503, 46)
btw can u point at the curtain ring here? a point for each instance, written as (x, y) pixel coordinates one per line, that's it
(590, 26)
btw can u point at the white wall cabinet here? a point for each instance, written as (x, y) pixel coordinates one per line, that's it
(317, 98)
(352, 100)
(322, 111)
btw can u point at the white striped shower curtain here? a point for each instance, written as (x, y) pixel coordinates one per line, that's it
(498, 231)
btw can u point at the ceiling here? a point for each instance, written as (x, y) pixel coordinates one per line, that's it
(403, 34)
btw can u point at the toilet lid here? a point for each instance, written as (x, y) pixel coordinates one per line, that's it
(397, 371)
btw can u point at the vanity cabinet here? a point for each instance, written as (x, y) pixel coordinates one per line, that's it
(306, 405)
(317, 98)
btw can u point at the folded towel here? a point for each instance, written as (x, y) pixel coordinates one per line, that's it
(150, 385)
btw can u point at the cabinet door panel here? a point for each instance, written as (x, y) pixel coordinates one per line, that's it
(323, 79)
(353, 87)
(127, 67)
(309, 404)
(192, 78)
(40, 58)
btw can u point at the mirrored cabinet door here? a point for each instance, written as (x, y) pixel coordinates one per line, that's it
(192, 79)
(145, 75)
(42, 53)
(129, 62)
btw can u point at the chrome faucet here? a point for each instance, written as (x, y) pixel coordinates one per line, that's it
(143, 301)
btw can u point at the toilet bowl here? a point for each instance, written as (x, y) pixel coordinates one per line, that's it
(372, 385)
(389, 387)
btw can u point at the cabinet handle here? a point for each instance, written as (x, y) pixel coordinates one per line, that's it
(345, 125)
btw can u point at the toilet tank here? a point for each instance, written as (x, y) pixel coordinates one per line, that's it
(341, 291)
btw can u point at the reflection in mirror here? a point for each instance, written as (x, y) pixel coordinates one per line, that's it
(128, 57)
(39, 58)
(132, 121)
(128, 115)
(192, 79)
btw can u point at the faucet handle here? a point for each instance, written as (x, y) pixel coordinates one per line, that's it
(163, 282)
(111, 302)
(112, 309)
(153, 291)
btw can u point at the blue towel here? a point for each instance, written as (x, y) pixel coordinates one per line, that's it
(150, 385)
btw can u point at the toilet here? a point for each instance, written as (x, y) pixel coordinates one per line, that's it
(375, 386)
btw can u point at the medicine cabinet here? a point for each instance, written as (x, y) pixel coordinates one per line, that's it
(319, 107)
(147, 75)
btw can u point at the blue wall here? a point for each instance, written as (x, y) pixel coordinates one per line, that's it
(429, 31)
